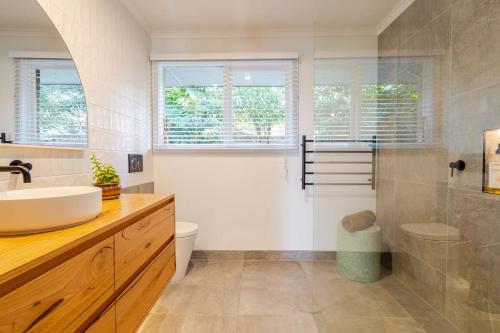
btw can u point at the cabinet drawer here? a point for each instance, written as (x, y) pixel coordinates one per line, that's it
(134, 303)
(64, 297)
(105, 323)
(138, 242)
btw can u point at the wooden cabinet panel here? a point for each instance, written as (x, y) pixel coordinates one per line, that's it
(62, 299)
(138, 242)
(105, 323)
(134, 303)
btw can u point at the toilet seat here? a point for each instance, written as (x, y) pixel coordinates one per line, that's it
(431, 231)
(185, 229)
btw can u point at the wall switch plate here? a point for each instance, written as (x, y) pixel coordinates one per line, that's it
(135, 163)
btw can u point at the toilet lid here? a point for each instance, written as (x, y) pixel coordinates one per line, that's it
(431, 231)
(185, 229)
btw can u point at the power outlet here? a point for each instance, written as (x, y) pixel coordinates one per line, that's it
(135, 163)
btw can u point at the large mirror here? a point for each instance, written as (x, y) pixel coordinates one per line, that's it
(41, 96)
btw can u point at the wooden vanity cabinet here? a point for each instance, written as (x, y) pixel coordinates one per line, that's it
(107, 287)
(63, 298)
(137, 243)
(134, 303)
(105, 323)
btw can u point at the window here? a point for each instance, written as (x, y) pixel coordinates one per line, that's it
(351, 102)
(225, 104)
(50, 104)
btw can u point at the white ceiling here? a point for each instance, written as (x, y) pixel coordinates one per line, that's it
(242, 15)
(24, 15)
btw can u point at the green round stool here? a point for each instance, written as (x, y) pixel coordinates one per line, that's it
(358, 255)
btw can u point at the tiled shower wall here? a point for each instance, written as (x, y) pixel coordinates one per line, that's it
(461, 279)
(111, 52)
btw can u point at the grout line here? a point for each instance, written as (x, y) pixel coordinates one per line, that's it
(428, 304)
(402, 42)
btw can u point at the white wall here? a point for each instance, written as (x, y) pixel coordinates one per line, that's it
(253, 200)
(111, 52)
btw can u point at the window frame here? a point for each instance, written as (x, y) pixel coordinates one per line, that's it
(291, 137)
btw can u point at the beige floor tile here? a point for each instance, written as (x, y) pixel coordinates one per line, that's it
(192, 324)
(184, 299)
(273, 274)
(209, 288)
(272, 288)
(215, 301)
(319, 270)
(176, 299)
(341, 298)
(437, 325)
(152, 323)
(375, 325)
(287, 296)
(298, 323)
(214, 273)
(496, 326)
(268, 301)
(412, 304)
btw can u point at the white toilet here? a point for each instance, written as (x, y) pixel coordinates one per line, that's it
(185, 235)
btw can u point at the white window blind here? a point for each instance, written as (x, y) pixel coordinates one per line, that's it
(225, 104)
(50, 104)
(351, 103)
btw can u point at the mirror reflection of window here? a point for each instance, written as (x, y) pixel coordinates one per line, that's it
(41, 97)
(50, 104)
(354, 100)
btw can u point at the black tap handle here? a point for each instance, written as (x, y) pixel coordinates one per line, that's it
(459, 165)
(28, 166)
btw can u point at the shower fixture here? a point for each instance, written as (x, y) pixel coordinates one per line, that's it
(459, 165)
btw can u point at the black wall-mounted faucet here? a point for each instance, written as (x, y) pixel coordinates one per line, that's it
(17, 167)
(3, 138)
(459, 165)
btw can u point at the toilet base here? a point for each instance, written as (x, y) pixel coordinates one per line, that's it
(183, 250)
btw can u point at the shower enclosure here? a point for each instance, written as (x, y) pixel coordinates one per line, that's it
(428, 95)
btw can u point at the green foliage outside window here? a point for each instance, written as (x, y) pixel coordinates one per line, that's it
(62, 112)
(257, 112)
(390, 111)
(332, 111)
(195, 115)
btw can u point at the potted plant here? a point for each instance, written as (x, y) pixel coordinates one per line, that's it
(105, 177)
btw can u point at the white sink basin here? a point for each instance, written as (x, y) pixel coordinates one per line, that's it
(45, 209)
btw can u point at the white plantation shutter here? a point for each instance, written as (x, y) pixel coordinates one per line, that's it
(50, 104)
(350, 103)
(333, 101)
(225, 104)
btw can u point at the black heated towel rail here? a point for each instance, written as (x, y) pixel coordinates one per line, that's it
(307, 161)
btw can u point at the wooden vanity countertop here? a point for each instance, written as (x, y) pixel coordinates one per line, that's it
(23, 258)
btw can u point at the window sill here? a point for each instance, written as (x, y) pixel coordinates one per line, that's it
(16, 146)
(215, 149)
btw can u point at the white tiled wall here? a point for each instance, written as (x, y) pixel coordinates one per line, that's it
(111, 52)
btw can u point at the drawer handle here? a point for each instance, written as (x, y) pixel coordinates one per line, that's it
(45, 313)
(145, 224)
(123, 235)
(141, 226)
(101, 251)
